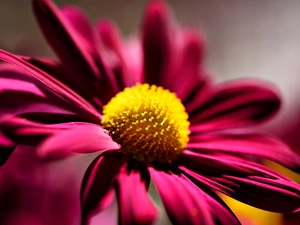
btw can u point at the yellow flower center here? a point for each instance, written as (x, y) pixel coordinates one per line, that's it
(148, 122)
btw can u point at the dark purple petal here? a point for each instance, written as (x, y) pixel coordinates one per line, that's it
(155, 41)
(56, 86)
(245, 145)
(97, 182)
(183, 202)
(233, 104)
(276, 195)
(135, 205)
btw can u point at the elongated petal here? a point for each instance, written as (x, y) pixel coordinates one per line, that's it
(259, 145)
(276, 195)
(21, 94)
(88, 67)
(251, 183)
(186, 77)
(135, 205)
(156, 43)
(183, 202)
(234, 104)
(65, 76)
(111, 39)
(85, 138)
(220, 212)
(58, 140)
(81, 24)
(97, 182)
(64, 39)
(222, 164)
(59, 88)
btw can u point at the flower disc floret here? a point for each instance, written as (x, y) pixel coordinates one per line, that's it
(148, 122)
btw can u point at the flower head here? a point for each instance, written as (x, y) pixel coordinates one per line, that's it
(153, 112)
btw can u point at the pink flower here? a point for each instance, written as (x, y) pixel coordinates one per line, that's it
(190, 144)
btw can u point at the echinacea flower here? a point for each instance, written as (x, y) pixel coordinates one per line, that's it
(152, 112)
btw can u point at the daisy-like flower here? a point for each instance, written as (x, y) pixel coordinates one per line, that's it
(152, 112)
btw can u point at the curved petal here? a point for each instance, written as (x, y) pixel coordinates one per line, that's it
(251, 183)
(186, 77)
(65, 76)
(276, 195)
(155, 41)
(67, 43)
(81, 24)
(97, 182)
(58, 140)
(135, 205)
(56, 86)
(83, 138)
(222, 164)
(234, 104)
(112, 40)
(64, 39)
(220, 212)
(250, 144)
(183, 202)
(21, 94)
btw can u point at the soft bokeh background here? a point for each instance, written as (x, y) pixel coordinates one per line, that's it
(245, 38)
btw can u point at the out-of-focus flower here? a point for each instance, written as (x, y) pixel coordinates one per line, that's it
(35, 193)
(153, 113)
(288, 129)
(249, 215)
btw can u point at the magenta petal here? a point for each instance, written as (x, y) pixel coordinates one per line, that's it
(220, 212)
(26, 132)
(187, 77)
(258, 145)
(156, 43)
(22, 94)
(64, 39)
(183, 202)
(222, 164)
(234, 104)
(97, 182)
(88, 67)
(135, 205)
(276, 195)
(49, 81)
(111, 39)
(83, 138)
(81, 24)
(66, 77)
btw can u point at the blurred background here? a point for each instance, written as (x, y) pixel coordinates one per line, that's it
(244, 39)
